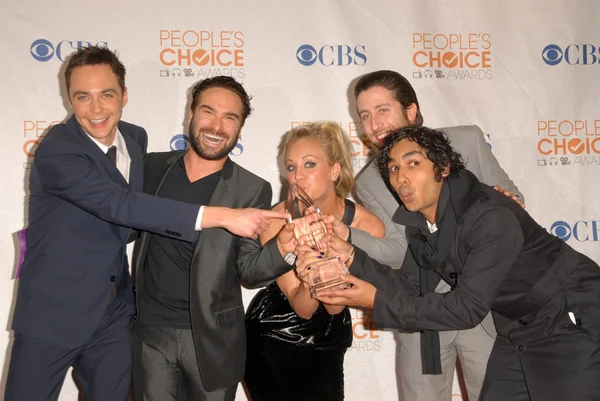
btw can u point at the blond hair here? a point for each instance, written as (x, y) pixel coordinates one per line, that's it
(337, 146)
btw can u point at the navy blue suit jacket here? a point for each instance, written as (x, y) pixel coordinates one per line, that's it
(81, 212)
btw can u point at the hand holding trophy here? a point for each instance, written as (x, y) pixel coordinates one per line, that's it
(310, 229)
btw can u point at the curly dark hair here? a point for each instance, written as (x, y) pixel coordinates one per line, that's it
(435, 144)
(224, 82)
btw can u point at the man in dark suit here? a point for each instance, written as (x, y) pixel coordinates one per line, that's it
(75, 301)
(189, 337)
(544, 296)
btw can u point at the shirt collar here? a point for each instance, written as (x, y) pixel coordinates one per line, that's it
(118, 142)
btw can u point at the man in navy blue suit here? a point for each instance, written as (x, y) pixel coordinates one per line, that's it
(75, 300)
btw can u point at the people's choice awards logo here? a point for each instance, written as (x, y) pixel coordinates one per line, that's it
(452, 55)
(365, 337)
(568, 142)
(582, 231)
(573, 54)
(43, 50)
(332, 55)
(33, 133)
(201, 54)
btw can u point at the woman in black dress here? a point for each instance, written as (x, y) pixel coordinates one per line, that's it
(296, 344)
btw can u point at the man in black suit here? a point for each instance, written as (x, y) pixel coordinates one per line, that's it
(75, 301)
(189, 337)
(544, 296)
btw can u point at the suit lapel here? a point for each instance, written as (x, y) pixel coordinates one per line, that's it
(224, 196)
(136, 172)
(95, 151)
(157, 181)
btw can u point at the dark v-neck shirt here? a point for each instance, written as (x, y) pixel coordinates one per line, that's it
(165, 300)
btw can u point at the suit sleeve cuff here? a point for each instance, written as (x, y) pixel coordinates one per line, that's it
(198, 226)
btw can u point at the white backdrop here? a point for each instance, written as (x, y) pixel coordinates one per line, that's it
(526, 72)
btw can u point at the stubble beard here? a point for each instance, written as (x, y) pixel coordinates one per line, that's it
(217, 155)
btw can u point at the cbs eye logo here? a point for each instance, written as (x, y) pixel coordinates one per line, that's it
(574, 54)
(182, 142)
(306, 55)
(331, 55)
(552, 54)
(179, 142)
(561, 230)
(42, 50)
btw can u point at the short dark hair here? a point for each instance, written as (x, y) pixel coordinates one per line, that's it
(435, 144)
(95, 55)
(224, 82)
(403, 91)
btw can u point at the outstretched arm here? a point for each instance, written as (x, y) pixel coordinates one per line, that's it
(495, 240)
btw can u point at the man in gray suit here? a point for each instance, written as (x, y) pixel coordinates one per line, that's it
(189, 336)
(386, 101)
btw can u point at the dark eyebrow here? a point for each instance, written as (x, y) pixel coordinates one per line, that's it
(412, 153)
(77, 93)
(229, 113)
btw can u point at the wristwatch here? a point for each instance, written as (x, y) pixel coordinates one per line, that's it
(290, 258)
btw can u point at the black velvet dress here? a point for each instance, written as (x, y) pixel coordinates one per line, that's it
(295, 359)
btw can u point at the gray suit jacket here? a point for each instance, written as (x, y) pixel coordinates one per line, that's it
(219, 262)
(372, 192)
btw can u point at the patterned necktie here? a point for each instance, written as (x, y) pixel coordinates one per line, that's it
(112, 154)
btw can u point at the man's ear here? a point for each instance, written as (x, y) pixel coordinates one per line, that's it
(411, 113)
(445, 171)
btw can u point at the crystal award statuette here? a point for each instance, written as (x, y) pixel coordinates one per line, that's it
(310, 229)
(327, 274)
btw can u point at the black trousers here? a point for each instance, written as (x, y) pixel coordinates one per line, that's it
(102, 366)
(165, 367)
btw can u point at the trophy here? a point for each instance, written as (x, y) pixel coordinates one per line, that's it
(309, 228)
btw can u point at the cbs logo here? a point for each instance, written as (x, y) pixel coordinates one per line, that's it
(574, 54)
(581, 231)
(331, 55)
(43, 50)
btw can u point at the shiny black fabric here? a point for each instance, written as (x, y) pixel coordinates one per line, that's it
(294, 359)
(271, 316)
(290, 358)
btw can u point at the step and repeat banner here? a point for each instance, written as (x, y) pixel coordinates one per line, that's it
(526, 72)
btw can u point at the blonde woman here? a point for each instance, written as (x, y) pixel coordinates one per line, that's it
(296, 344)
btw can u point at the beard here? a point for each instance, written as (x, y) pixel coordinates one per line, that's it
(206, 154)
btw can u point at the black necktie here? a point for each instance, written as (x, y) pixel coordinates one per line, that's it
(112, 154)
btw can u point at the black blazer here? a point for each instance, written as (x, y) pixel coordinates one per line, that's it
(220, 260)
(81, 212)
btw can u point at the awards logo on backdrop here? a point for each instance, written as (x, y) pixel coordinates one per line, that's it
(452, 55)
(332, 55)
(43, 50)
(581, 231)
(33, 132)
(574, 143)
(365, 337)
(574, 54)
(182, 142)
(201, 54)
